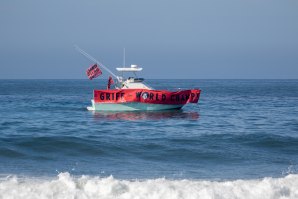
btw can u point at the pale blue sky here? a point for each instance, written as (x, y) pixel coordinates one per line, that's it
(197, 39)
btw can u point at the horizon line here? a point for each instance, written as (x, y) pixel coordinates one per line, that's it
(154, 79)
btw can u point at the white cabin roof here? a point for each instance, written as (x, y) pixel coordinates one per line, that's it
(132, 68)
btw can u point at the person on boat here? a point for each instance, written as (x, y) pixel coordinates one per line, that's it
(110, 82)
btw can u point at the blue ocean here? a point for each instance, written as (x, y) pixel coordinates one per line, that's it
(239, 141)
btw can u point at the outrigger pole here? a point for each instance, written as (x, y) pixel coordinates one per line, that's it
(94, 60)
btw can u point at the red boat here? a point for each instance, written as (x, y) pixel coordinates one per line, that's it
(133, 94)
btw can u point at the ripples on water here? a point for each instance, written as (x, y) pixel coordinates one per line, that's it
(239, 129)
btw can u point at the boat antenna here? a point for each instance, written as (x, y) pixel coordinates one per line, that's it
(123, 57)
(94, 60)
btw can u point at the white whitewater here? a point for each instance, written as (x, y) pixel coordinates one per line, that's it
(67, 187)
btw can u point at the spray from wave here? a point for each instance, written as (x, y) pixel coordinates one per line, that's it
(66, 186)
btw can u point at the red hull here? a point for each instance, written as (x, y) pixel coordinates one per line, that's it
(147, 96)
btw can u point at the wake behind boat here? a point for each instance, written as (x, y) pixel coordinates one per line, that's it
(132, 94)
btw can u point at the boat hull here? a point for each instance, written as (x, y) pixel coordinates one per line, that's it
(132, 106)
(142, 99)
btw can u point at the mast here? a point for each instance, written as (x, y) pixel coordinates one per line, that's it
(94, 60)
(123, 57)
(123, 61)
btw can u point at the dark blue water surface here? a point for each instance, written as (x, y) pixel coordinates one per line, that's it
(239, 129)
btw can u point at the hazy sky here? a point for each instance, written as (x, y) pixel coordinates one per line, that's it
(198, 39)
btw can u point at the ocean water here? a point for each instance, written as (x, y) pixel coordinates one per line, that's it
(239, 141)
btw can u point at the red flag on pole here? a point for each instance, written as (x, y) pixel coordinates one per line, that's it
(110, 82)
(93, 71)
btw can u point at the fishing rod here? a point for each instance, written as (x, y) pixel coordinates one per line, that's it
(94, 60)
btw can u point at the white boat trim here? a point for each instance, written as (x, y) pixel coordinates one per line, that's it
(132, 106)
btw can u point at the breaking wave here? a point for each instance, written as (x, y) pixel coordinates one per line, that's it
(66, 186)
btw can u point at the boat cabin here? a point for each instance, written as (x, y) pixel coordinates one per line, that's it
(131, 82)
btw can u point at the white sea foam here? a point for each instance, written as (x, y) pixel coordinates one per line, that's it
(66, 186)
